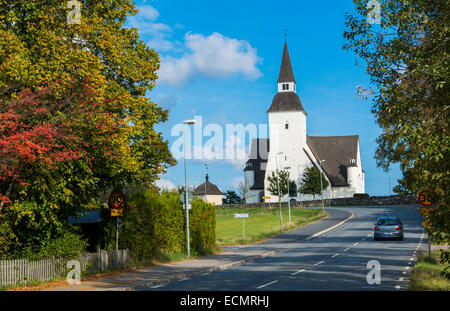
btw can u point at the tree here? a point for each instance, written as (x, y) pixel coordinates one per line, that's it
(406, 56)
(244, 188)
(89, 123)
(231, 197)
(310, 183)
(273, 184)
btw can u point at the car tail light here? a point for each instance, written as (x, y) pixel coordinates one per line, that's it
(398, 228)
(376, 228)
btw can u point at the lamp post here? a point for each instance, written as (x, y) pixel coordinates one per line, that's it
(321, 187)
(186, 123)
(278, 187)
(289, 195)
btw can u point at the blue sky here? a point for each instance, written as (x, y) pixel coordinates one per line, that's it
(221, 59)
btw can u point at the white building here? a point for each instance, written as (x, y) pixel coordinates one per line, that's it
(339, 155)
(209, 192)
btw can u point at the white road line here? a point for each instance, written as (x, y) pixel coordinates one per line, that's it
(346, 249)
(409, 263)
(406, 268)
(320, 262)
(404, 272)
(205, 273)
(397, 287)
(334, 255)
(262, 286)
(401, 279)
(297, 272)
(157, 286)
(412, 258)
(184, 279)
(356, 244)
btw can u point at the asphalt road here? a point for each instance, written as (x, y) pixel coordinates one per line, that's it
(336, 260)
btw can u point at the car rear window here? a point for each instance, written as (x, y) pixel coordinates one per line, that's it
(387, 222)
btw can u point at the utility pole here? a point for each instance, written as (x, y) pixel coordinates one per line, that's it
(186, 203)
(321, 187)
(279, 194)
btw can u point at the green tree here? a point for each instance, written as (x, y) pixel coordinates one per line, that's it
(231, 197)
(310, 183)
(97, 63)
(407, 58)
(284, 177)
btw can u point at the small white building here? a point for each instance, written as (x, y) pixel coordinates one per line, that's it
(289, 147)
(209, 192)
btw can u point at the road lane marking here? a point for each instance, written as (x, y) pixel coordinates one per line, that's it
(334, 255)
(356, 244)
(320, 262)
(262, 286)
(157, 286)
(397, 287)
(184, 279)
(297, 272)
(401, 279)
(346, 249)
(412, 258)
(409, 263)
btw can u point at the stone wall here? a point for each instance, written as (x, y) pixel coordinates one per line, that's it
(368, 201)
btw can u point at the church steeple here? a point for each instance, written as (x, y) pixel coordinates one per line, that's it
(286, 79)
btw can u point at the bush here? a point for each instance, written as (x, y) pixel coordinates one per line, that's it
(202, 227)
(155, 225)
(69, 245)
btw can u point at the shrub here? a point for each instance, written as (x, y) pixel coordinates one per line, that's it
(202, 227)
(69, 245)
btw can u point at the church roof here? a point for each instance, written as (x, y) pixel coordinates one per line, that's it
(337, 151)
(286, 101)
(211, 189)
(286, 72)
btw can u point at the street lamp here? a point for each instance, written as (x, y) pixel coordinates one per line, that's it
(289, 196)
(186, 123)
(278, 186)
(321, 187)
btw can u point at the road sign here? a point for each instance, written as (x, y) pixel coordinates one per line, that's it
(425, 211)
(241, 216)
(116, 199)
(266, 198)
(117, 212)
(427, 198)
(189, 206)
(190, 197)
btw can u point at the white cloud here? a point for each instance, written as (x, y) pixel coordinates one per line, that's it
(215, 56)
(165, 184)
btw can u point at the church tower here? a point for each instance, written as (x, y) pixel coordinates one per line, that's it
(287, 124)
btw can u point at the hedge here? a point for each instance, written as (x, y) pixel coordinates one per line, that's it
(155, 223)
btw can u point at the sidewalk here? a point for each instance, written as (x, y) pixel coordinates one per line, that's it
(233, 255)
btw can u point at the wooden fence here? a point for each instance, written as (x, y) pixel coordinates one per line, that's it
(17, 272)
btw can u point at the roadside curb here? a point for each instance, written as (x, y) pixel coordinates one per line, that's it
(216, 268)
(315, 235)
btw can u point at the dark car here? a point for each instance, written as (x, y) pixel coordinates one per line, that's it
(388, 227)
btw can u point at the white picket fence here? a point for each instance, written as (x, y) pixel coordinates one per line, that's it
(16, 272)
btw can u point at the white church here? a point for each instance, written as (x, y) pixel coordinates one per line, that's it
(290, 148)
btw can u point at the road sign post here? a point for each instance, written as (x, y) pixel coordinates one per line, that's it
(115, 201)
(243, 217)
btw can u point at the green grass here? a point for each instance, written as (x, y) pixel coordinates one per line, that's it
(426, 274)
(262, 224)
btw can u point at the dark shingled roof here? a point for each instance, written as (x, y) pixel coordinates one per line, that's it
(211, 189)
(259, 154)
(286, 101)
(337, 151)
(286, 72)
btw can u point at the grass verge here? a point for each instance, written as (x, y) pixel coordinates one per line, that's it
(426, 274)
(262, 224)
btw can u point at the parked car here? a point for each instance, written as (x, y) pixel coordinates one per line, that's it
(388, 227)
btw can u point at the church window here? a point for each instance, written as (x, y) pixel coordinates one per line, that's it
(286, 125)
